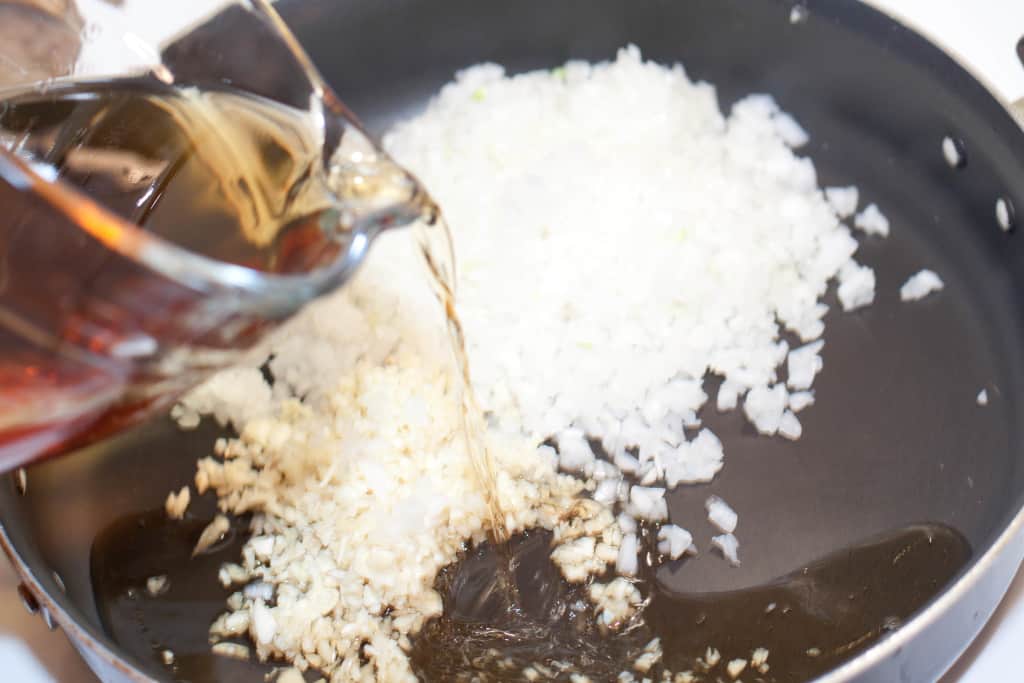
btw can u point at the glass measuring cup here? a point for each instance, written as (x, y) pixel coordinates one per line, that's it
(105, 319)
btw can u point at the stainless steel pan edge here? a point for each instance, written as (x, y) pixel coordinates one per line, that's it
(109, 666)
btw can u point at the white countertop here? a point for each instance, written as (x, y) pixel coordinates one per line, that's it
(985, 37)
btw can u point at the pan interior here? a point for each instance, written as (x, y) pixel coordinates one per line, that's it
(896, 437)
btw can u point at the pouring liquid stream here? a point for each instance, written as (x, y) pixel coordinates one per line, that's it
(436, 245)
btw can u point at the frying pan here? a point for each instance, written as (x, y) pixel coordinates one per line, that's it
(896, 441)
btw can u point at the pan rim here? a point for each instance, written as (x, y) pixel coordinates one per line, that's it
(80, 631)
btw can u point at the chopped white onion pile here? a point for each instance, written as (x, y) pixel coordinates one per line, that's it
(544, 178)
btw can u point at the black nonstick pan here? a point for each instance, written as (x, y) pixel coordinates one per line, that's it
(891, 529)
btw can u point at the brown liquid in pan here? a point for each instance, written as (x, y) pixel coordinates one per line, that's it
(810, 620)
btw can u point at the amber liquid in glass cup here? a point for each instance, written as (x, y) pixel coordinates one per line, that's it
(154, 225)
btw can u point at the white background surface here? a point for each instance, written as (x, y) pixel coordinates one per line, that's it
(983, 33)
